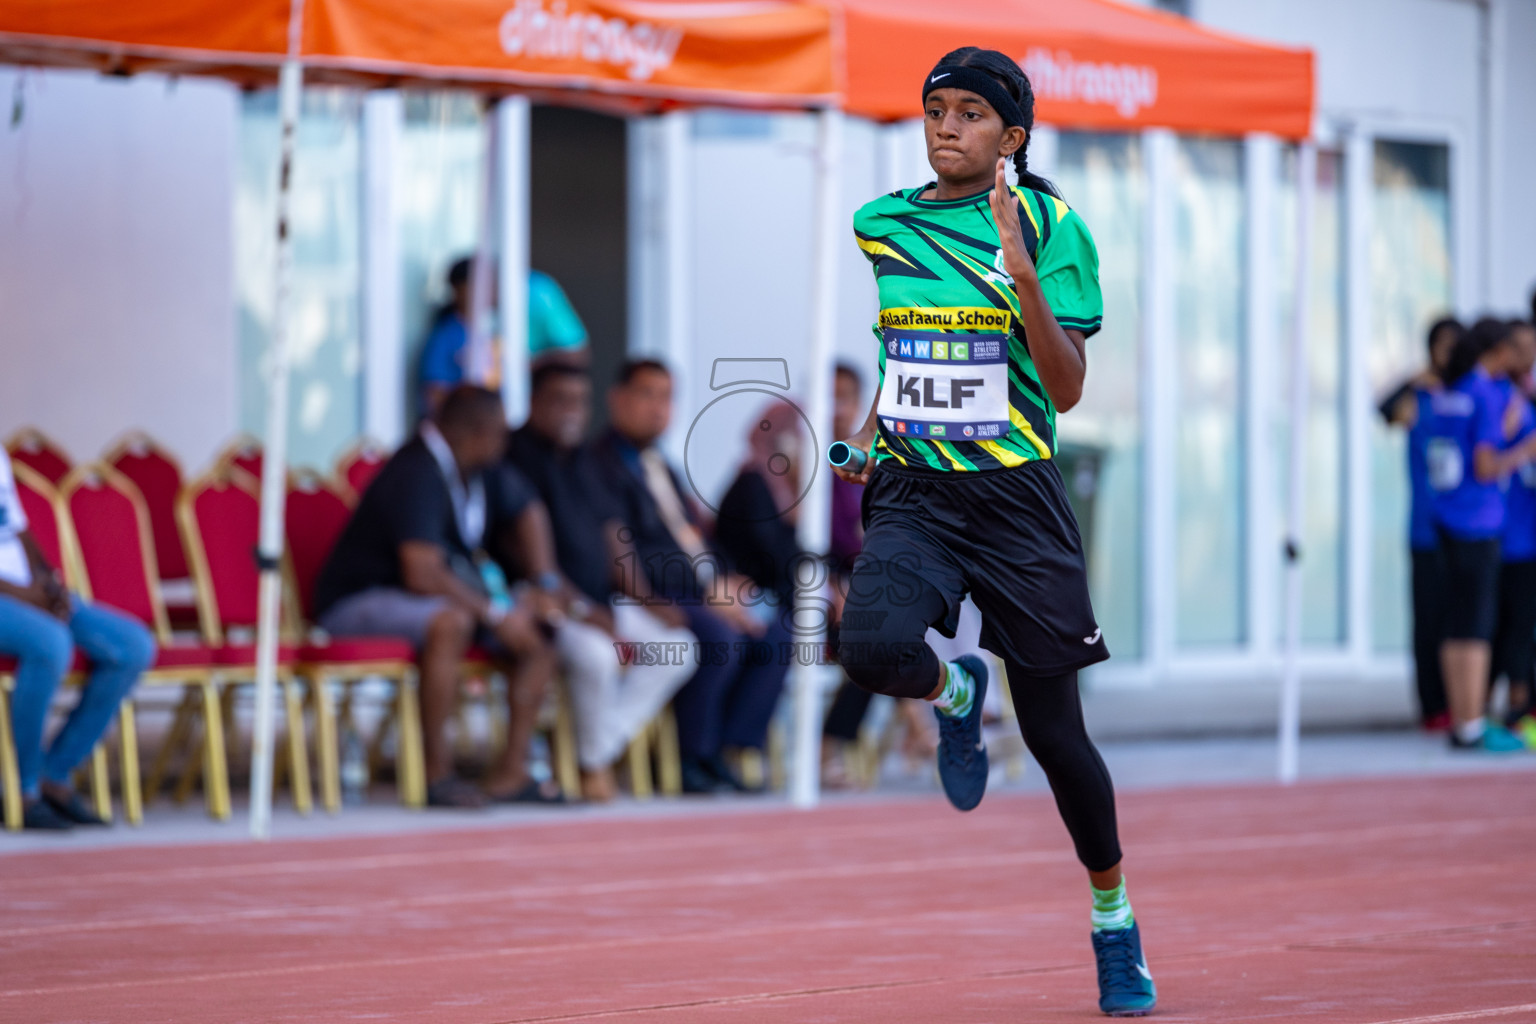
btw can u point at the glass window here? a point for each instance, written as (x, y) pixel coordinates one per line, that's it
(324, 335)
(1410, 289)
(1101, 177)
(439, 183)
(1322, 532)
(1209, 234)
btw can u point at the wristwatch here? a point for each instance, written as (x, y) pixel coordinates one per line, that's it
(549, 581)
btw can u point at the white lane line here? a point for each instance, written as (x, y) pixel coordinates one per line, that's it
(1444, 1018)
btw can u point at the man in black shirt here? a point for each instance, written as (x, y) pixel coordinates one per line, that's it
(730, 699)
(413, 563)
(613, 697)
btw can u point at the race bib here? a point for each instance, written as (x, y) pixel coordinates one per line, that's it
(950, 387)
(1442, 459)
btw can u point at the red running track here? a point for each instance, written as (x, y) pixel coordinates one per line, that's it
(1360, 902)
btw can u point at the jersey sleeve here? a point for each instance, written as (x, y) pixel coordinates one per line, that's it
(440, 356)
(1488, 417)
(1069, 275)
(555, 323)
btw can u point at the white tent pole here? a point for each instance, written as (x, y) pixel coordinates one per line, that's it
(512, 139)
(479, 363)
(274, 467)
(815, 527)
(1290, 682)
(678, 198)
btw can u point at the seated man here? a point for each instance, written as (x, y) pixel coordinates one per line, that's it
(40, 626)
(413, 563)
(614, 698)
(731, 696)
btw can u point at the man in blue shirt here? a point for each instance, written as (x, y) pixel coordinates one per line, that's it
(555, 331)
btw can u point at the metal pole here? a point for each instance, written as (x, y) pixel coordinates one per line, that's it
(513, 141)
(814, 525)
(274, 471)
(1290, 681)
(678, 249)
(480, 364)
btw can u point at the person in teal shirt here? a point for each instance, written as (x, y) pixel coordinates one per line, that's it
(555, 331)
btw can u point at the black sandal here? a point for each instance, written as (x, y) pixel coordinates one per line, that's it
(454, 792)
(533, 793)
(74, 810)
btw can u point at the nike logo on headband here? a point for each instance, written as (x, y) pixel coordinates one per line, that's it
(946, 74)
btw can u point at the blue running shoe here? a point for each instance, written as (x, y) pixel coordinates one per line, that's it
(962, 752)
(1499, 740)
(1125, 984)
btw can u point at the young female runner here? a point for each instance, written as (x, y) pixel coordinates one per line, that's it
(987, 295)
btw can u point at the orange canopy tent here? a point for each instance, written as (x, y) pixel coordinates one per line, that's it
(1094, 63)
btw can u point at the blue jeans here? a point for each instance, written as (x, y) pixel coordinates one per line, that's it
(118, 648)
(730, 700)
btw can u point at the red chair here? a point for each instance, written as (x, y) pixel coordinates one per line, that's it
(46, 519)
(157, 475)
(317, 512)
(359, 464)
(243, 453)
(113, 559)
(32, 448)
(220, 517)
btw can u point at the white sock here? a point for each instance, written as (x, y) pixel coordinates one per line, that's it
(1471, 732)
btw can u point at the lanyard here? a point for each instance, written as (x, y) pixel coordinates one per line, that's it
(468, 501)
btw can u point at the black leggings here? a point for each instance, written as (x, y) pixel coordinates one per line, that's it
(882, 649)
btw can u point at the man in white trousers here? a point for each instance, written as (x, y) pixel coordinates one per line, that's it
(624, 653)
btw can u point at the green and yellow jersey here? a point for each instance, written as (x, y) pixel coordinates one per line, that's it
(958, 389)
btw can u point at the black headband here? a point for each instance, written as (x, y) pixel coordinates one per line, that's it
(958, 76)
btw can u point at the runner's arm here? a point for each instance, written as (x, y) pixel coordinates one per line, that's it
(1060, 355)
(864, 440)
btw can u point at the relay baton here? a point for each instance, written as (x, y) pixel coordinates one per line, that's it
(845, 456)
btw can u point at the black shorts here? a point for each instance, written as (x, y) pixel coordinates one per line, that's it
(1471, 587)
(1514, 642)
(1009, 538)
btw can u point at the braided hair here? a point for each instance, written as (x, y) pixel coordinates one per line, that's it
(1012, 78)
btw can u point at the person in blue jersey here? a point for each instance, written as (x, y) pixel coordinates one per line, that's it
(1410, 407)
(1514, 641)
(1469, 458)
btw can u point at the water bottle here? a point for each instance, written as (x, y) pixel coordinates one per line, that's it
(539, 759)
(354, 769)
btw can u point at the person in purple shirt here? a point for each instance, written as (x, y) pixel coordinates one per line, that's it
(1514, 641)
(1469, 457)
(1410, 406)
(845, 717)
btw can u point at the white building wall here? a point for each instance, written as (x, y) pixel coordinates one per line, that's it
(116, 267)
(1420, 70)
(1513, 280)
(752, 182)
